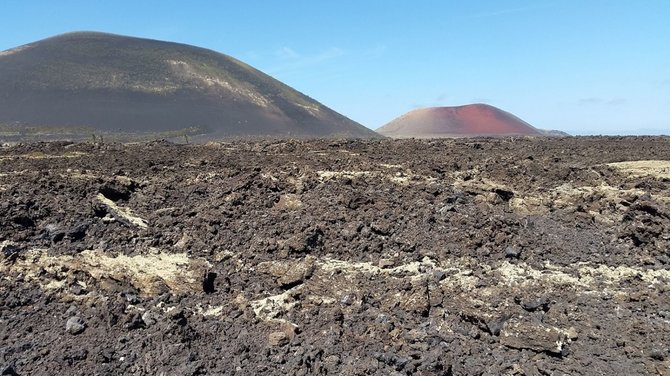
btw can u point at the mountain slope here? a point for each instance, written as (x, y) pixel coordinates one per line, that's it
(113, 83)
(460, 121)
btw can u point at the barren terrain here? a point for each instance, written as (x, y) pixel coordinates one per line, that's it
(435, 257)
(86, 85)
(473, 120)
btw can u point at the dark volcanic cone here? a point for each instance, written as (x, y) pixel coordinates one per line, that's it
(109, 83)
(461, 121)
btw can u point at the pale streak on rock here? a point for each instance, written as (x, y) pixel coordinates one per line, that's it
(659, 169)
(177, 270)
(272, 306)
(125, 213)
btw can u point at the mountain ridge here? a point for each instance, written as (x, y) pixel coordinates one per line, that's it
(117, 83)
(469, 120)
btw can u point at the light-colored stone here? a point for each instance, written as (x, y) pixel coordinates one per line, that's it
(386, 263)
(572, 333)
(75, 325)
(278, 339)
(533, 336)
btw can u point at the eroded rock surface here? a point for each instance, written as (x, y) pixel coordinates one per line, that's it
(480, 256)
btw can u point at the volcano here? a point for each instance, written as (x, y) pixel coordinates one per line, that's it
(89, 82)
(460, 121)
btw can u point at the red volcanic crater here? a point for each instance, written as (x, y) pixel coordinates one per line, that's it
(460, 121)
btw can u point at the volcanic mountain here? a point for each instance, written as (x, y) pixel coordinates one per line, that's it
(461, 121)
(96, 82)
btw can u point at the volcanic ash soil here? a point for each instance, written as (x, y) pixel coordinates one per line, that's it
(480, 256)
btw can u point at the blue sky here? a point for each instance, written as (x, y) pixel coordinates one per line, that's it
(581, 66)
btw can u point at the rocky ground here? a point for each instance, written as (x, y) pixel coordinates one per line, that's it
(470, 256)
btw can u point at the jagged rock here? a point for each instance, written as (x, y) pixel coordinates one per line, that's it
(277, 339)
(533, 336)
(291, 273)
(75, 325)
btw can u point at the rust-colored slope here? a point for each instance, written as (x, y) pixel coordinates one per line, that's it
(459, 121)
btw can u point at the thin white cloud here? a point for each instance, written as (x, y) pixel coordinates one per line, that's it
(329, 54)
(287, 53)
(287, 61)
(291, 60)
(376, 51)
(249, 55)
(441, 98)
(615, 101)
(588, 101)
(662, 83)
(505, 11)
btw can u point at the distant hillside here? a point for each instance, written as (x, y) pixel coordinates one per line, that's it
(554, 133)
(94, 82)
(461, 121)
